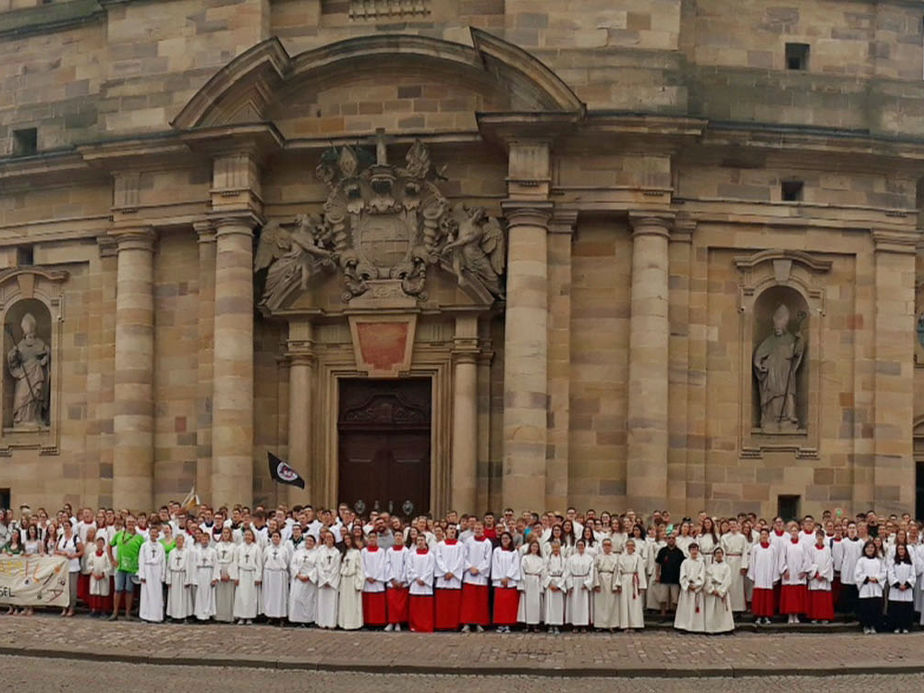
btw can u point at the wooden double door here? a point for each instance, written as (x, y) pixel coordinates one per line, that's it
(384, 445)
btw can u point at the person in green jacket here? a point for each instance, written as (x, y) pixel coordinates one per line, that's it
(127, 545)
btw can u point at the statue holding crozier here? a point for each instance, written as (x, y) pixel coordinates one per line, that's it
(776, 362)
(28, 363)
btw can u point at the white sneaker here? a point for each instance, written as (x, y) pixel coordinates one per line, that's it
(397, 627)
(466, 629)
(389, 628)
(905, 631)
(479, 629)
(897, 631)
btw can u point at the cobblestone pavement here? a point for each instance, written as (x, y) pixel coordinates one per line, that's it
(652, 653)
(32, 674)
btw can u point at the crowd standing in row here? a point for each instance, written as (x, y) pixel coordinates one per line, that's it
(581, 571)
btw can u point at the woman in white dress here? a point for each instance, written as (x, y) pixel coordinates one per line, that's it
(303, 591)
(631, 584)
(581, 576)
(689, 616)
(224, 590)
(247, 573)
(707, 539)
(275, 590)
(328, 571)
(178, 580)
(555, 584)
(532, 574)
(350, 610)
(606, 602)
(718, 616)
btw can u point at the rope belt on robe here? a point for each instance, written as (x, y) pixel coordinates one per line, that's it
(635, 584)
(696, 600)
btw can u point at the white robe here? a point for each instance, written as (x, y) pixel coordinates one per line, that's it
(556, 575)
(248, 571)
(275, 588)
(374, 566)
(735, 547)
(606, 599)
(478, 555)
(651, 567)
(532, 573)
(421, 566)
(303, 590)
(178, 580)
(899, 574)
(328, 569)
(99, 565)
(763, 566)
(717, 611)
(224, 590)
(151, 568)
(505, 564)
(395, 569)
(822, 565)
(689, 616)
(794, 562)
(851, 550)
(867, 569)
(630, 576)
(350, 610)
(204, 571)
(580, 589)
(450, 558)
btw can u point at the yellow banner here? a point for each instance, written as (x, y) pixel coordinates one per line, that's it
(33, 580)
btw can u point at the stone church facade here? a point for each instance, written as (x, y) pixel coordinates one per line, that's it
(463, 253)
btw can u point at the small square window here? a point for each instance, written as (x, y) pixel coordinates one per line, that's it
(25, 142)
(797, 56)
(791, 190)
(788, 507)
(25, 257)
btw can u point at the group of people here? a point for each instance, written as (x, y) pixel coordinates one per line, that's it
(578, 571)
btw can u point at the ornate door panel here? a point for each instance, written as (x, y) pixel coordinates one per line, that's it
(384, 445)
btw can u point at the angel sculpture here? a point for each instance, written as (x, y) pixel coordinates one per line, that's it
(293, 255)
(478, 246)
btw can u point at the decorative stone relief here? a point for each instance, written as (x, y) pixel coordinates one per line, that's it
(375, 9)
(382, 226)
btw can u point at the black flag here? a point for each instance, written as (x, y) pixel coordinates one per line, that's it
(282, 472)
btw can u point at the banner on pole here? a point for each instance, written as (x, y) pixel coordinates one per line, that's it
(34, 580)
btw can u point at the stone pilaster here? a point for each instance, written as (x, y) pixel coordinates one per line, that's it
(465, 415)
(133, 418)
(681, 242)
(206, 324)
(649, 332)
(301, 409)
(894, 334)
(232, 399)
(526, 355)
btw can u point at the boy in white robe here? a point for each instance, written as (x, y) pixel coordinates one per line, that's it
(820, 605)
(178, 580)
(718, 615)
(375, 572)
(532, 571)
(247, 573)
(555, 584)
(100, 567)
(606, 600)
(151, 568)
(631, 585)
(204, 574)
(224, 590)
(275, 587)
(580, 588)
(689, 616)
(764, 572)
(303, 590)
(328, 568)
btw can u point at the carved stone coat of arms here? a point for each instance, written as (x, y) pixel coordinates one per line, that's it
(381, 224)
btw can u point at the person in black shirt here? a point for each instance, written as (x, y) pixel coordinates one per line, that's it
(667, 575)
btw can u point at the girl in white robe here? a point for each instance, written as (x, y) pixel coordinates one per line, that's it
(581, 577)
(658, 542)
(901, 578)
(689, 616)
(764, 572)
(328, 570)
(178, 580)
(532, 575)
(247, 573)
(606, 600)
(631, 585)
(505, 578)
(420, 566)
(151, 568)
(820, 605)
(869, 575)
(350, 610)
(100, 567)
(204, 573)
(555, 584)
(717, 611)
(736, 549)
(303, 590)
(224, 590)
(275, 588)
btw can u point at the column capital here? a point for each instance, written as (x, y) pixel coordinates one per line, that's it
(205, 231)
(134, 237)
(301, 358)
(527, 212)
(563, 221)
(230, 223)
(648, 223)
(682, 231)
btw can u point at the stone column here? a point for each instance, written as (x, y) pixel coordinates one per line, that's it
(465, 415)
(232, 401)
(526, 356)
(133, 418)
(301, 377)
(206, 233)
(649, 332)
